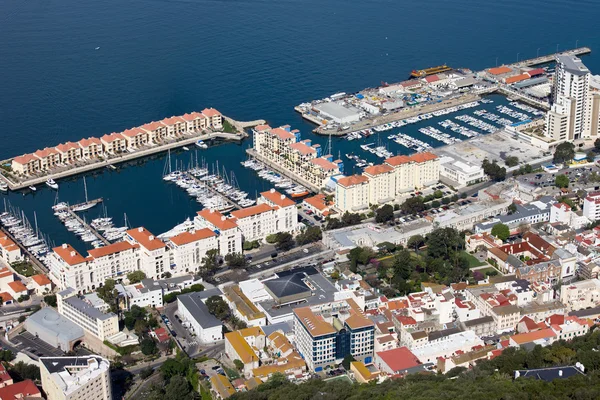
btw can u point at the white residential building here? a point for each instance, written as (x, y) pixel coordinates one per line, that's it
(591, 206)
(189, 248)
(566, 119)
(229, 235)
(154, 253)
(203, 324)
(581, 295)
(147, 293)
(9, 251)
(84, 314)
(460, 173)
(76, 378)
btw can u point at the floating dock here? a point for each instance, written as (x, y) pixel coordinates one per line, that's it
(214, 191)
(85, 224)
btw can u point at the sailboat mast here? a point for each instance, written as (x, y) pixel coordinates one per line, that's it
(85, 189)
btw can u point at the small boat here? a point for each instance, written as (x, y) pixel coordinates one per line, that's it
(3, 187)
(300, 194)
(110, 166)
(186, 148)
(201, 144)
(32, 188)
(98, 48)
(51, 183)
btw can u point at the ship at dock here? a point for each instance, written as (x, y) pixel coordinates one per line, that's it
(421, 73)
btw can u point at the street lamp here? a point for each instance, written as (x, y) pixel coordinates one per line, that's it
(538, 52)
(518, 54)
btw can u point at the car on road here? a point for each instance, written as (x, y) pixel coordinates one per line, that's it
(305, 251)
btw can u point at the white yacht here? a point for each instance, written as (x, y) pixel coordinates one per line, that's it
(51, 183)
(201, 144)
(32, 188)
(3, 187)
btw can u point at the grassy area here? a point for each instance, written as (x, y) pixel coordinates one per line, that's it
(24, 268)
(473, 261)
(488, 271)
(228, 128)
(205, 393)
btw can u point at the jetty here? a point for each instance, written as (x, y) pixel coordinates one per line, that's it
(85, 224)
(213, 191)
(83, 166)
(548, 58)
(37, 264)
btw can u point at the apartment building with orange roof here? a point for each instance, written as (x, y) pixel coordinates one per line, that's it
(286, 213)
(136, 138)
(215, 118)
(68, 152)
(380, 184)
(326, 333)
(9, 251)
(90, 148)
(153, 253)
(41, 284)
(176, 126)
(49, 158)
(229, 235)
(189, 248)
(27, 164)
(113, 143)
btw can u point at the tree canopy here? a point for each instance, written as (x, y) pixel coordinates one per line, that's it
(413, 205)
(217, 307)
(136, 276)
(384, 213)
(285, 241)
(501, 231)
(511, 161)
(561, 181)
(236, 260)
(564, 153)
(309, 235)
(493, 170)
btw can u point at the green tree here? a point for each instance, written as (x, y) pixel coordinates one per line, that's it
(50, 300)
(148, 347)
(136, 276)
(415, 242)
(209, 261)
(238, 364)
(347, 360)
(564, 153)
(309, 235)
(236, 260)
(178, 389)
(597, 145)
(413, 205)
(217, 307)
(384, 213)
(511, 161)
(561, 181)
(590, 156)
(443, 242)
(493, 170)
(512, 208)
(6, 355)
(173, 367)
(109, 294)
(285, 241)
(501, 231)
(404, 264)
(146, 372)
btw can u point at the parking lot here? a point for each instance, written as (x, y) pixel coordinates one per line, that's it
(178, 331)
(209, 368)
(579, 179)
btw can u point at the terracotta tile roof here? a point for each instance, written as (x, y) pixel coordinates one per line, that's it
(64, 147)
(218, 220)
(536, 71)
(250, 211)
(222, 385)
(516, 78)
(314, 324)
(241, 347)
(399, 359)
(539, 243)
(69, 254)
(423, 157)
(46, 152)
(274, 197)
(7, 243)
(324, 164)
(5, 377)
(172, 120)
(385, 339)
(17, 287)
(529, 337)
(152, 126)
(398, 160)
(529, 324)
(146, 239)
(405, 320)
(378, 169)
(89, 141)
(352, 180)
(397, 304)
(357, 320)
(262, 127)
(192, 116)
(112, 137)
(111, 249)
(210, 112)
(20, 390)
(4, 272)
(317, 201)
(290, 363)
(432, 78)
(190, 237)
(282, 134)
(24, 159)
(498, 253)
(133, 132)
(41, 279)
(302, 148)
(6, 297)
(499, 70)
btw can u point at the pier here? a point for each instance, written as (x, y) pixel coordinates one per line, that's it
(530, 62)
(16, 183)
(85, 224)
(402, 114)
(214, 191)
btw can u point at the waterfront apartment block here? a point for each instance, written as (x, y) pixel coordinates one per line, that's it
(189, 248)
(380, 184)
(76, 378)
(131, 139)
(326, 333)
(82, 312)
(282, 146)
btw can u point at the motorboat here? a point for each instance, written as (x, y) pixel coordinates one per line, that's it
(51, 183)
(186, 148)
(201, 144)
(3, 187)
(32, 188)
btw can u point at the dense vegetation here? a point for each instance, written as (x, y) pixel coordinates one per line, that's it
(488, 380)
(493, 170)
(179, 380)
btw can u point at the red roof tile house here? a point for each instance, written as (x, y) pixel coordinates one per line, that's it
(543, 337)
(5, 378)
(317, 204)
(17, 289)
(20, 390)
(41, 284)
(161, 335)
(398, 362)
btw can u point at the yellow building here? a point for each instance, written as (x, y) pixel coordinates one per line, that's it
(361, 372)
(221, 387)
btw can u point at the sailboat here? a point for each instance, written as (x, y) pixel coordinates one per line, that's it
(51, 183)
(168, 174)
(3, 186)
(88, 204)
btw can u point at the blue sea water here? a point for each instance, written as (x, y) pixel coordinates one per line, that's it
(248, 58)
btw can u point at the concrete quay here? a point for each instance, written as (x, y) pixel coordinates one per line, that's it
(399, 115)
(530, 62)
(252, 153)
(81, 167)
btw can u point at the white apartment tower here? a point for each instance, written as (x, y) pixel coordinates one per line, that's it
(76, 378)
(567, 118)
